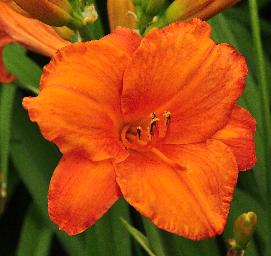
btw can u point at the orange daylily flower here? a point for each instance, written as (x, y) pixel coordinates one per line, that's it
(31, 33)
(152, 120)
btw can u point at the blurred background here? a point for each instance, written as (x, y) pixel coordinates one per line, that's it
(25, 228)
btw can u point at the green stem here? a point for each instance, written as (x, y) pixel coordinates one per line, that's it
(235, 252)
(264, 92)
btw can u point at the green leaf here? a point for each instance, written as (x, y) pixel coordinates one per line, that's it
(154, 236)
(35, 237)
(264, 89)
(108, 234)
(7, 92)
(26, 71)
(139, 237)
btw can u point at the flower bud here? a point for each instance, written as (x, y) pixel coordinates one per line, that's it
(52, 12)
(15, 7)
(203, 9)
(65, 32)
(152, 7)
(121, 13)
(244, 228)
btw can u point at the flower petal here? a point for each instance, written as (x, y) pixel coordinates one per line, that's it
(80, 192)
(238, 135)
(181, 70)
(5, 76)
(193, 202)
(79, 103)
(32, 33)
(75, 122)
(125, 39)
(93, 74)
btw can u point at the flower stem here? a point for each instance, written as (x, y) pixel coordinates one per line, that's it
(235, 252)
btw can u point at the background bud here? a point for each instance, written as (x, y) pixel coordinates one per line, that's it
(16, 7)
(152, 7)
(121, 13)
(182, 10)
(52, 12)
(244, 228)
(65, 32)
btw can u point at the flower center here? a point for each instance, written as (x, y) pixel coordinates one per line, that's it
(145, 138)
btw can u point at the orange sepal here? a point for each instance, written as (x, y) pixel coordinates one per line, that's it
(32, 33)
(180, 69)
(238, 135)
(5, 76)
(193, 202)
(80, 192)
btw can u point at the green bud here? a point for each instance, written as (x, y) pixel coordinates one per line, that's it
(153, 7)
(244, 228)
(121, 13)
(52, 12)
(182, 10)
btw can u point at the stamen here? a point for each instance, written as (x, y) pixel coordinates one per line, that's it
(140, 139)
(153, 125)
(132, 140)
(153, 115)
(167, 116)
(139, 132)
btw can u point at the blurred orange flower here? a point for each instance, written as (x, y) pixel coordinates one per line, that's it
(31, 33)
(152, 120)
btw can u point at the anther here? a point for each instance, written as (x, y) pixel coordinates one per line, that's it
(139, 132)
(153, 125)
(167, 116)
(153, 115)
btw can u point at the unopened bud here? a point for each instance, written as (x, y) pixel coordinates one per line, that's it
(52, 12)
(153, 7)
(244, 228)
(121, 13)
(16, 7)
(65, 32)
(90, 14)
(182, 10)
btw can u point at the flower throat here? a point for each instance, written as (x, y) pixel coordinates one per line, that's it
(147, 139)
